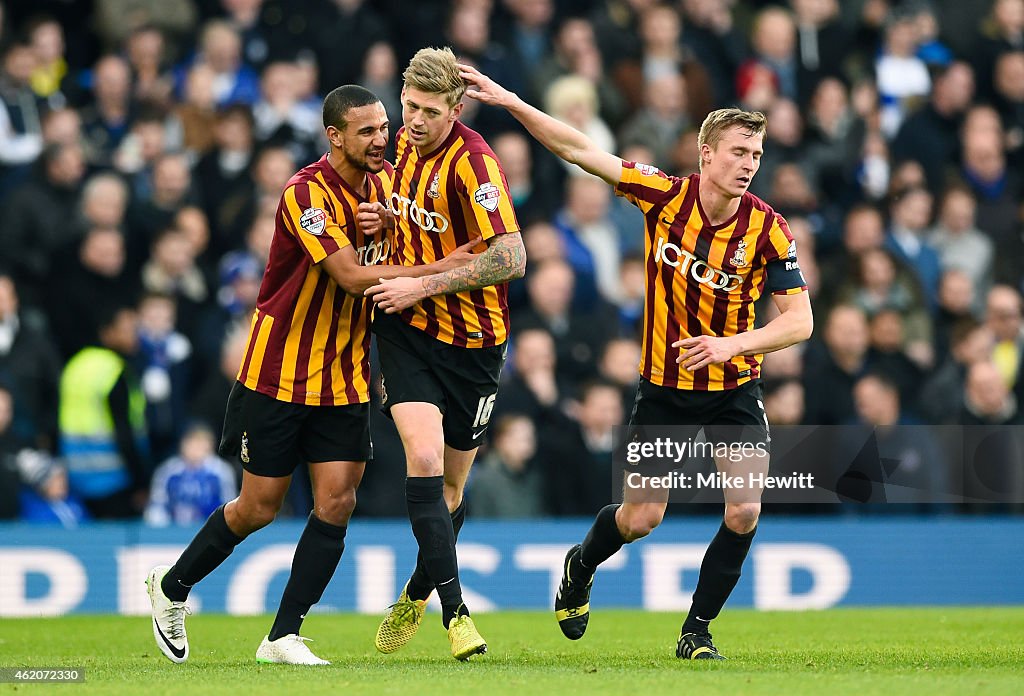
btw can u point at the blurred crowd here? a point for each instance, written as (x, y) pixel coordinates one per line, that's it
(144, 145)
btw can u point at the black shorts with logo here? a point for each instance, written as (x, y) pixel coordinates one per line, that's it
(272, 437)
(461, 382)
(730, 415)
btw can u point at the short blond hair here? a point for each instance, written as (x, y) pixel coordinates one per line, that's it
(718, 122)
(435, 71)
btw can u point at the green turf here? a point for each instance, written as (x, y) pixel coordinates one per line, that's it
(889, 651)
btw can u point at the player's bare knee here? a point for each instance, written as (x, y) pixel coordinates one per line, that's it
(636, 524)
(452, 496)
(742, 518)
(424, 460)
(337, 509)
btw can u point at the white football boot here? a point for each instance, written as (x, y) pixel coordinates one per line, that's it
(287, 650)
(168, 618)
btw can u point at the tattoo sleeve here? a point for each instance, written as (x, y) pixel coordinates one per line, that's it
(504, 260)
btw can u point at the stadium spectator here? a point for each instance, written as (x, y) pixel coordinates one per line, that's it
(942, 393)
(573, 99)
(102, 421)
(172, 270)
(106, 120)
(591, 241)
(822, 42)
(29, 368)
(662, 118)
(21, 138)
(717, 44)
(957, 302)
(147, 52)
(910, 216)
(1009, 99)
(533, 200)
(164, 363)
(784, 402)
(149, 215)
(507, 483)
(220, 47)
(619, 365)
(224, 175)
(1002, 32)
(902, 77)
(280, 118)
(931, 135)
(44, 496)
(834, 136)
(342, 39)
(1004, 317)
(959, 242)
(211, 397)
(773, 39)
(531, 387)
(196, 115)
(580, 450)
(189, 486)
(833, 367)
(380, 76)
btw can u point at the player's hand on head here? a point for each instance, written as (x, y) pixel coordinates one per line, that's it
(481, 87)
(700, 351)
(373, 218)
(396, 294)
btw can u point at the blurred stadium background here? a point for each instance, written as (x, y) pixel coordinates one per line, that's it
(143, 148)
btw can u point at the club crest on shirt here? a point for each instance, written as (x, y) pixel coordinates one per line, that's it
(740, 257)
(435, 185)
(486, 196)
(244, 452)
(313, 220)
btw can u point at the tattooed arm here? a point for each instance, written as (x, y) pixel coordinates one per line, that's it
(504, 259)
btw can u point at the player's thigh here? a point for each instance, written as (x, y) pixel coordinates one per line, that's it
(407, 374)
(469, 377)
(262, 432)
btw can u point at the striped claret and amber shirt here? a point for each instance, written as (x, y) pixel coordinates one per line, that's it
(703, 279)
(442, 200)
(309, 340)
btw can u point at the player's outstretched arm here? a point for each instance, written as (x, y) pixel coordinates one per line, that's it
(504, 260)
(562, 139)
(793, 325)
(354, 278)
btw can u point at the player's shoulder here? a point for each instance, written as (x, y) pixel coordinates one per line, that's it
(470, 142)
(759, 204)
(305, 176)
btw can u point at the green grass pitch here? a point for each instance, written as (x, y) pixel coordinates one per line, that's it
(848, 651)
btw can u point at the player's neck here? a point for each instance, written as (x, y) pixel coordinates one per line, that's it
(355, 178)
(718, 205)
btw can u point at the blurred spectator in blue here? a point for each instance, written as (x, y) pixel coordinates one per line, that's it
(44, 496)
(240, 274)
(220, 47)
(931, 48)
(661, 120)
(902, 77)
(164, 363)
(21, 137)
(543, 243)
(281, 119)
(942, 393)
(910, 217)
(931, 135)
(997, 187)
(95, 277)
(1002, 32)
(192, 484)
(29, 368)
(106, 120)
(345, 34)
(632, 295)
(148, 53)
(591, 240)
(103, 421)
(959, 242)
(39, 219)
(580, 449)
(834, 365)
(507, 483)
(1004, 315)
(527, 38)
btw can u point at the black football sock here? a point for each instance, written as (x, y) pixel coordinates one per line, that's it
(316, 558)
(602, 541)
(420, 585)
(214, 542)
(432, 527)
(719, 573)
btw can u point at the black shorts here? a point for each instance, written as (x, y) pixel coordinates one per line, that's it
(272, 437)
(731, 415)
(461, 382)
